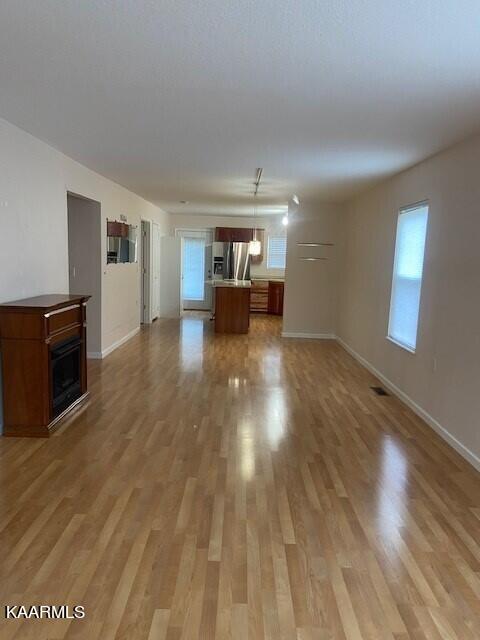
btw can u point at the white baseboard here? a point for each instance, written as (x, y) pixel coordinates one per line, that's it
(311, 336)
(460, 448)
(95, 355)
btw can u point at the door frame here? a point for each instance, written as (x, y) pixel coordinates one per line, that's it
(154, 281)
(98, 251)
(146, 272)
(206, 233)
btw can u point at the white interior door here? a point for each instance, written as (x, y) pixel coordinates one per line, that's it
(170, 258)
(155, 271)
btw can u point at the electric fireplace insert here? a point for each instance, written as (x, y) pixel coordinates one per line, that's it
(65, 367)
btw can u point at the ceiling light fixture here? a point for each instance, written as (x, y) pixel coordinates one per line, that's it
(255, 246)
(257, 180)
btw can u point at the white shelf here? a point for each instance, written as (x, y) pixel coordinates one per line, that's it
(311, 259)
(315, 244)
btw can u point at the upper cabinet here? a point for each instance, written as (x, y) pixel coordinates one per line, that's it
(117, 229)
(233, 234)
(237, 234)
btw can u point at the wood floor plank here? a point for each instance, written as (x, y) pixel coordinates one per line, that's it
(159, 627)
(223, 487)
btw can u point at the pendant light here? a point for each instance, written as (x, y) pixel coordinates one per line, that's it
(255, 246)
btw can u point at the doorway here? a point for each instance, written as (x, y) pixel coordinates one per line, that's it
(145, 273)
(150, 272)
(85, 263)
(155, 262)
(196, 266)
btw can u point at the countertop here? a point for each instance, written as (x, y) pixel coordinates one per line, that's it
(243, 284)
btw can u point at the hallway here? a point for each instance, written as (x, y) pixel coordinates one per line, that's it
(239, 487)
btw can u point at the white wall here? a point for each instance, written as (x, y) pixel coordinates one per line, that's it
(272, 225)
(34, 180)
(443, 376)
(33, 217)
(311, 288)
(121, 282)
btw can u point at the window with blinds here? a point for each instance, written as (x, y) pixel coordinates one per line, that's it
(407, 275)
(193, 269)
(277, 252)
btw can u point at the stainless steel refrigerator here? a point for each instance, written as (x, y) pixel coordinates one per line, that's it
(236, 261)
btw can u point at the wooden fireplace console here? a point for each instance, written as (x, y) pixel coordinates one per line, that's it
(32, 332)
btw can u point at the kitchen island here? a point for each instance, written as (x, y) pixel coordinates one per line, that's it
(231, 304)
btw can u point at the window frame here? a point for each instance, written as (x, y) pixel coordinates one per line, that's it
(406, 209)
(276, 237)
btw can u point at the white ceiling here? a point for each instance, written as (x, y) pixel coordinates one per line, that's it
(182, 100)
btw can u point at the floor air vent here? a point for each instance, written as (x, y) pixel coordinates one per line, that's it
(380, 391)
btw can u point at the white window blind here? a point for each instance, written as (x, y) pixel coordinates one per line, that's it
(193, 268)
(277, 251)
(407, 275)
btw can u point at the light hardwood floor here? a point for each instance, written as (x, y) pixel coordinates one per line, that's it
(222, 487)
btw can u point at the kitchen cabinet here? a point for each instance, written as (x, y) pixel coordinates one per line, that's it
(259, 296)
(223, 234)
(267, 297)
(117, 229)
(233, 234)
(275, 297)
(232, 309)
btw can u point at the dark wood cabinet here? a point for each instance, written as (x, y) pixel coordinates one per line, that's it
(275, 297)
(44, 364)
(232, 309)
(223, 234)
(117, 229)
(242, 235)
(259, 296)
(233, 234)
(267, 297)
